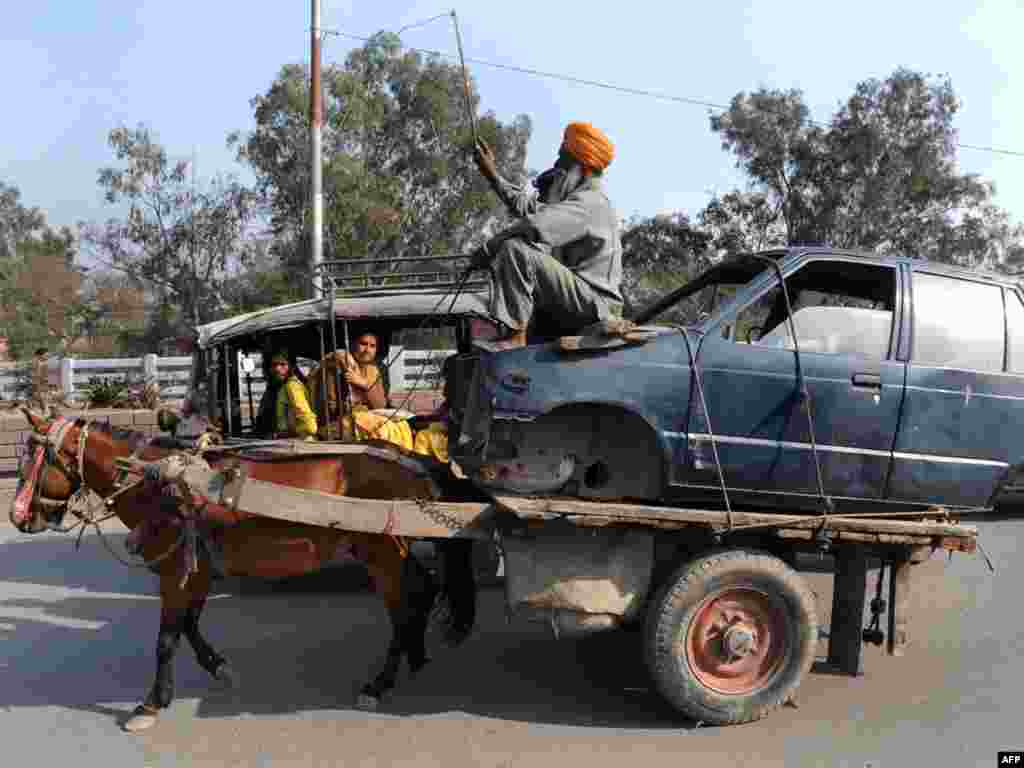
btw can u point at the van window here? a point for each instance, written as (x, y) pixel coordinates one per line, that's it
(957, 323)
(1015, 326)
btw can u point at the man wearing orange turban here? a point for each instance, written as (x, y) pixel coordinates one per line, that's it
(560, 265)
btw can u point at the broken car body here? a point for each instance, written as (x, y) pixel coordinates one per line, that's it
(913, 373)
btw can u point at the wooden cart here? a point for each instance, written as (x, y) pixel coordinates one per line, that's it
(730, 626)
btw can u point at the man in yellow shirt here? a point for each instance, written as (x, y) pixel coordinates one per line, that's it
(293, 416)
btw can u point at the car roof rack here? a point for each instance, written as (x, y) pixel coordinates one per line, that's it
(351, 277)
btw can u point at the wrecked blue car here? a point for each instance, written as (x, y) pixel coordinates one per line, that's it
(802, 378)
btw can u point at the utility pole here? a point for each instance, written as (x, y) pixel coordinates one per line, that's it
(315, 125)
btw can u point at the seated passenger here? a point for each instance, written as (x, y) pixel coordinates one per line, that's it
(362, 374)
(293, 416)
(368, 399)
(433, 439)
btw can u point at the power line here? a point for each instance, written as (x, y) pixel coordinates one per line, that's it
(611, 86)
(423, 23)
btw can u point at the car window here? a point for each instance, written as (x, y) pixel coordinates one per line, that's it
(839, 307)
(835, 330)
(957, 323)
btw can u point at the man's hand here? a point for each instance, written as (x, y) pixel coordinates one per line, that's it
(356, 380)
(480, 258)
(353, 376)
(485, 161)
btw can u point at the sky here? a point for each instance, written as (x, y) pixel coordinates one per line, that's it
(189, 69)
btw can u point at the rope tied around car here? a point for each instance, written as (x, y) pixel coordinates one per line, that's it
(827, 505)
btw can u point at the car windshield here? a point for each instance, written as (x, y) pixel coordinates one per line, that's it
(706, 296)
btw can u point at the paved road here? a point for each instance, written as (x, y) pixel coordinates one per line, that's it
(77, 634)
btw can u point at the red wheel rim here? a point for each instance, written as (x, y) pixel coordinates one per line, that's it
(737, 641)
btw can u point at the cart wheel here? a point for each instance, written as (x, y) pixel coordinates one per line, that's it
(730, 636)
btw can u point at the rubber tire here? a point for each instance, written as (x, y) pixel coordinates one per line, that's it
(675, 606)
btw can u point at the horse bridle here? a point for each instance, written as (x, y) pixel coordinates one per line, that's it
(74, 471)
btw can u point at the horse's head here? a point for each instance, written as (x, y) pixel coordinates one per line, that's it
(49, 473)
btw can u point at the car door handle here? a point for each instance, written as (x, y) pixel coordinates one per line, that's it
(516, 380)
(870, 380)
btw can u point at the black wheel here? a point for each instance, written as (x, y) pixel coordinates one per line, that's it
(730, 636)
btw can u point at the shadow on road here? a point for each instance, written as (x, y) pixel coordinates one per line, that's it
(302, 645)
(309, 644)
(307, 652)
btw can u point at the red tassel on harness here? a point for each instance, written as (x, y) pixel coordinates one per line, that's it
(26, 489)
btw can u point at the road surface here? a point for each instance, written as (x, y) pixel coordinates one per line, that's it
(78, 632)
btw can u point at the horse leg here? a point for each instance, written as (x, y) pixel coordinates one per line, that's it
(408, 591)
(174, 602)
(419, 591)
(162, 692)
(215, 664)
(459, 588)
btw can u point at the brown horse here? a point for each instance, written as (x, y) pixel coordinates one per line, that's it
(244, 545)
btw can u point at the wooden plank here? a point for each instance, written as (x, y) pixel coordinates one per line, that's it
(400, 517)
(540, 507)
(899, 602)
(955, 544)
(950, 543)
(849, 592)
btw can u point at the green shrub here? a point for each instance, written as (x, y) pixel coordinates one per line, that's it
(107, 392)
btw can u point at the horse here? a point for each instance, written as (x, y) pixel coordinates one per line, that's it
(76, 459)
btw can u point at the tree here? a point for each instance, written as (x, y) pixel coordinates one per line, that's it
(118, 315)
(881, 175)
(43, 304)
(41, 301)
(742, 221)
(17, 222)
(659, 254)
(398, 176)
(178, 237)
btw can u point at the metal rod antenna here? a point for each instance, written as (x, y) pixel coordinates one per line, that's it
(465, 80)
(315, 139)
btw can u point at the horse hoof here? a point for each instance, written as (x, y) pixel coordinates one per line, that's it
(367, 703)
(415, 669)
(456, 636)
(140, 720)
(226, 675)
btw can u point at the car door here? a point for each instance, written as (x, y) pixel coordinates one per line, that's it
(757, 415)
(963, 412)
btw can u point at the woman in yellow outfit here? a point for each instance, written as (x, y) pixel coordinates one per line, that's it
(293, 416)
(433, 441)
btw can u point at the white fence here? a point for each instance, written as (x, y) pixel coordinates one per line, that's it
(409, 369)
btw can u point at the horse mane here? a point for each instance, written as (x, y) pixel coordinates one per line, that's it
(111, 430)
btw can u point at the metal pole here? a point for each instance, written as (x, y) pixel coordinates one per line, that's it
(324, 416)
(337, 371)
(315, 126)
(252, 413)
(227, 390)
(348, 388)
(465, 79)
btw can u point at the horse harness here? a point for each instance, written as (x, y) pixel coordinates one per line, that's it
(85, 502)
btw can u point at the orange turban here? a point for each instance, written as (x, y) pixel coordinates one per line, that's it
(588, 145)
